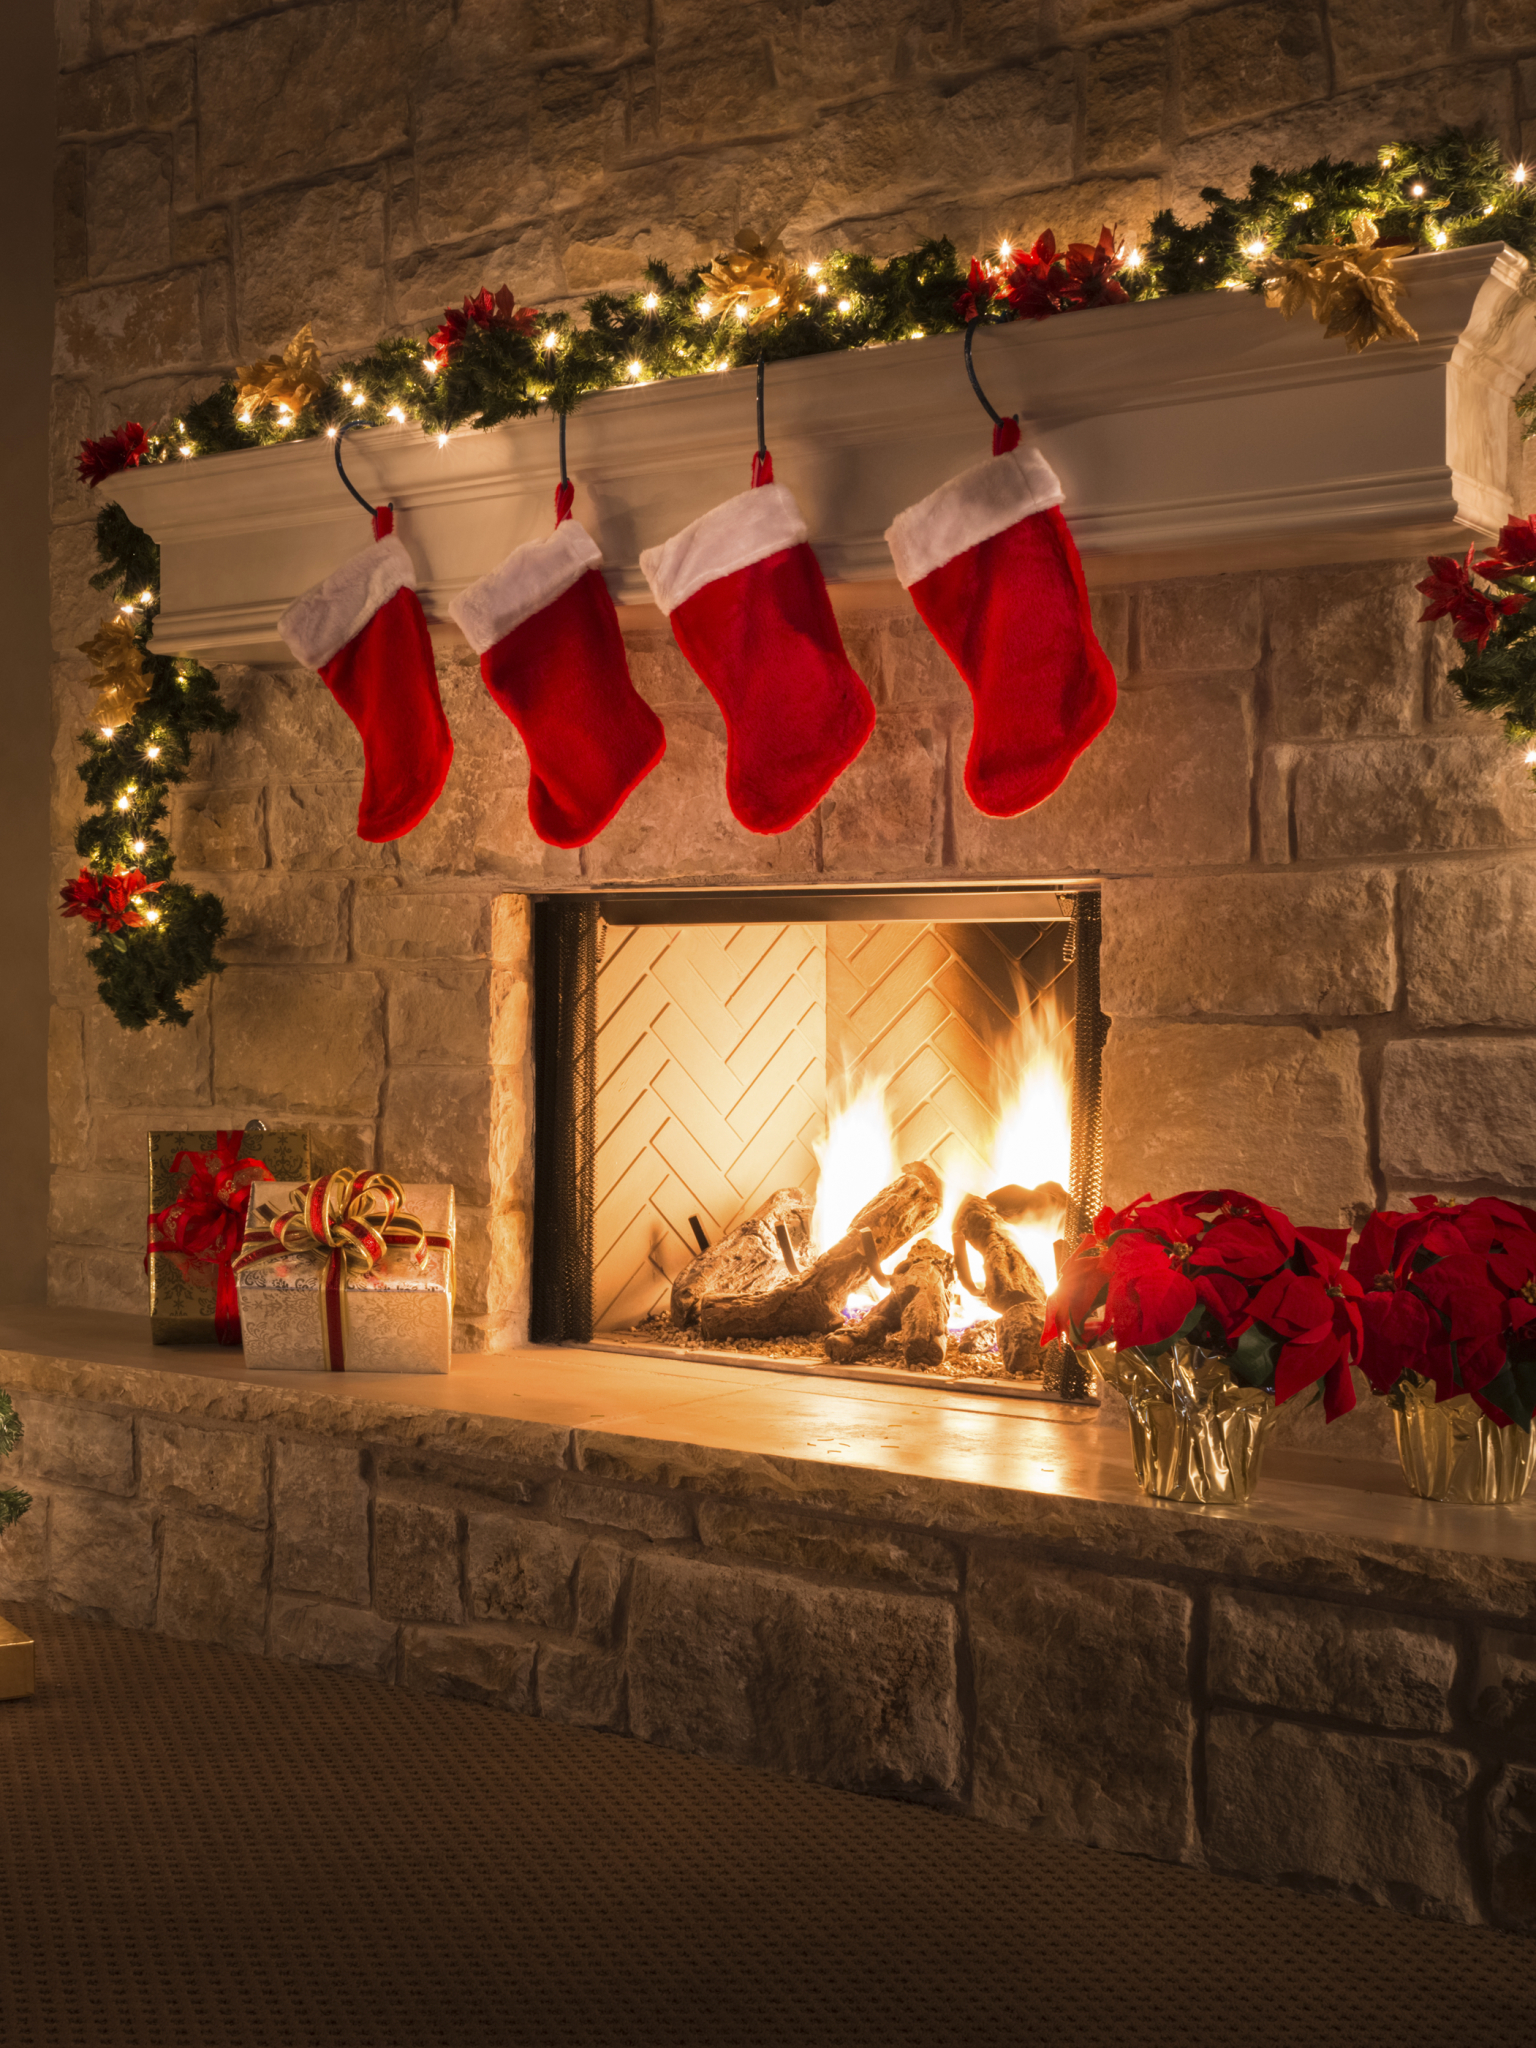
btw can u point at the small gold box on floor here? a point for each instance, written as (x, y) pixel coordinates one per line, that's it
(18, 1663)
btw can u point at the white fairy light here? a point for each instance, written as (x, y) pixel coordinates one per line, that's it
(359, 398)
(1302, 203)
(637, 369)
(123, 804)
(821, 291)
(704, 308)
(650, 302)
(1005, 250)
(151, 917)
(813, 270)
(395, 413)
(186, 447)
(151, 753)
(845, 305)
(139, 845)
(330, 433)
(916, 334)
(1417, 191)
(1133, 259)
(741, 312)
(429, 364)
(1517, 175)
(1255, 247)
(551, 340)
(347, 386)
(1439, 237)
(107, 731)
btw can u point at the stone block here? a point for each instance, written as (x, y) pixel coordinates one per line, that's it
(511, 1020)
(126, 330)
(290, 725)
(1197, 623)
(97, 1278)
(321, 86)
(213, 1584)
(439, 1016)
(1512, 1847)
(1165, 785)
(300, 1039)
(1110, 614)
(168, 84)
(582, 1687)
(845, 1550)
(409, 924)
(24, 1550)
(313, 825)
(1421, 33)
(1021, 117)
(1250, 945)
(307, 1631)
(436, 1126)
(1379, 1819)
(222, 828)
(1074, 212)
(74, 609)
(96, 1208)
(1346, 650)
(1504, 1689)
(1413, 796)
(1454, 974)
(885, 814)
(75, 1442)
(1277, 773)
(1058, 1656)
(98, 98)
(1498, 24)
(159, 1066)
(600, 1575)
(281, 918)
(320, 1513)
(520, 1568)
(69, 1117)
(662, 1517)
(312, 253)
(1269, 1108)
(1247, 59)
(1314, 1657)
(842, 1685)
(1489, 1086)
(416, 1560)
(469, 1664)
(101, 1558)
(1127, 85)
(204, 1471)
(128, 213)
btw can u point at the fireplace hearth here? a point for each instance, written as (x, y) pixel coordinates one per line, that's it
(840, 1133)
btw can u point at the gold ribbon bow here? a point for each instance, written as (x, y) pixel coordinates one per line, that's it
(350, 1219)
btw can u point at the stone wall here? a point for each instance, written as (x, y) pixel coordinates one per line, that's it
(1355, 1717)
(1303, 834)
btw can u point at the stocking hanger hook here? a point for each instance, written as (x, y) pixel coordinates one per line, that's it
(341, 434)
(970, 370)
(762, 443)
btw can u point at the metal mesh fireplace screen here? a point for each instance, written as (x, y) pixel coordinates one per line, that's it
(732, 1068)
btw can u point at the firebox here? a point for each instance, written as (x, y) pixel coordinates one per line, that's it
(839, 1133)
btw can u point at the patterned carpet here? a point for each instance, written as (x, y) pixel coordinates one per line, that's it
(204, 1850)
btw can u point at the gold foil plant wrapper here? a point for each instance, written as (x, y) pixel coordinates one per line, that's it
(1452, 1451)
(1196, 1434)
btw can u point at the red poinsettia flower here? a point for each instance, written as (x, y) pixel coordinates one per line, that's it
(1316, 1315)
(121, 449)
(1453, 595)
(1090, 273)
(106, 901)
(1515, 552)
(981, 288)
(1036, 280)
(486, 311)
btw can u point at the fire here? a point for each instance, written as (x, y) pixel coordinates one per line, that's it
(1032, 1142)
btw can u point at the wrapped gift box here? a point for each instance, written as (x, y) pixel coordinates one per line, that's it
(399, 1316)
(182, 1292)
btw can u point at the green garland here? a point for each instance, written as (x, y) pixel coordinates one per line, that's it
(13, 1502)
(144, 971)
(1453, 192)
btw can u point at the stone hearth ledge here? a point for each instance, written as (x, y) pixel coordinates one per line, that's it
(936, 1597)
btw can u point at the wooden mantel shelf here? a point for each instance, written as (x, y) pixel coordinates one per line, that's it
(1200, 432)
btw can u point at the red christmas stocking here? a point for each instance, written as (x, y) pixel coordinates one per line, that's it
(992, 567)
(749, 608)
(552, 656)
(364, 630)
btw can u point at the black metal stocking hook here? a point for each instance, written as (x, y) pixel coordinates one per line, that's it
(341, 434)
(999, 423)
(762, 461)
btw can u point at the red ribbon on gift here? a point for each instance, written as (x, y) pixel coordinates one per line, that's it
(352, 1220)
(205, 1224)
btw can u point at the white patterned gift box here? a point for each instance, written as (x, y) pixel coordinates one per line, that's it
(313, 1309)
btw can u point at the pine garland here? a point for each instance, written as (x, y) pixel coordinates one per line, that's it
(156, 943)
(13, 1502)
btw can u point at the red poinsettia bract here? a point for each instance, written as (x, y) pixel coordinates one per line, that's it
(981, 288)
(485, 310)
(106, 901)
(1453, 595)
(1514, 553)
(1090, 273)
(121, 449)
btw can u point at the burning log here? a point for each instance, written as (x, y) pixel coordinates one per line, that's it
(748, 1260)
(870, 1331)
(930, 1271)
(1011, 1285)
(1030, 1205)
(812, 1303)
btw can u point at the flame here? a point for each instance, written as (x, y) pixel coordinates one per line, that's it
(1032, 1142)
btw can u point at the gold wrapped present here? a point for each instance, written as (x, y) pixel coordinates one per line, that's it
(18, 1662)
(348, 1273)
(199, 1190)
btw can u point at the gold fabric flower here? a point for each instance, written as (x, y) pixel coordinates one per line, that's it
(293, 379)
(1351, 288)
(124, 679)
(755, 280)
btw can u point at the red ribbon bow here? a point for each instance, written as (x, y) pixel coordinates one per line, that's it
(205, 1224)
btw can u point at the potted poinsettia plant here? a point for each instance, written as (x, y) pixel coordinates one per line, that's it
(1206, 1310)
(1449, 1321)
(13, 1502)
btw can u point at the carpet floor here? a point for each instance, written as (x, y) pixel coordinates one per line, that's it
(204, 1850)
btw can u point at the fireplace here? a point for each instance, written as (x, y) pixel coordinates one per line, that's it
(836, 1133)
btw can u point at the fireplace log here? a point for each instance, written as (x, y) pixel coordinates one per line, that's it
(870, 1331)
(1030, 1205)
(813, 1303)
(747, 1260)
(930, 1271)
(1010, 1280)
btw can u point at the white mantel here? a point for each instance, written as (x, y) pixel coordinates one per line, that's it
(1190, 433)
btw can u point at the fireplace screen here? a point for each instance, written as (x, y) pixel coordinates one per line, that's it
(839, 1135)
